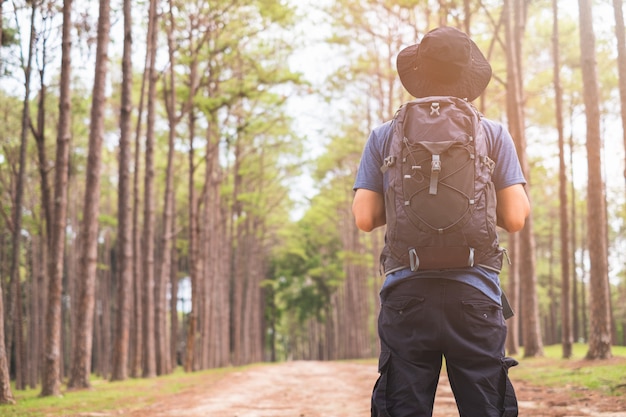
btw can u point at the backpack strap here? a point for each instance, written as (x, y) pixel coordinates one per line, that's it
(435, 169)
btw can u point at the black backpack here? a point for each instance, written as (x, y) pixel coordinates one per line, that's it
(440, 201)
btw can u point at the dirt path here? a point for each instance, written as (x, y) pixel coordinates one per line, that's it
(342, 389)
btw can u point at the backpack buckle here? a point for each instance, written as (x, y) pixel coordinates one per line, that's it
(388, 163)
(413, 259)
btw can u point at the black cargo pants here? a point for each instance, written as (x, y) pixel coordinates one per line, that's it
(422, 320)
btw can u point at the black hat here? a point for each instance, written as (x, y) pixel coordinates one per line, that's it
(446, 63)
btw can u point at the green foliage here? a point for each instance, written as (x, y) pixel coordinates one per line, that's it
(306, 270)
(10, 36)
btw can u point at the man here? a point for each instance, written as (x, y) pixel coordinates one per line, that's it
(453, 313)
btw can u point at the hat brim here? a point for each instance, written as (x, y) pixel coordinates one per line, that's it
(470, 85)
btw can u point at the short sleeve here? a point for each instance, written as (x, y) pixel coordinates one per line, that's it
(369, 176)
(507, 170)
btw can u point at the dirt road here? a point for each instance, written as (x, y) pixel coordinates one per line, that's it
(342, 389)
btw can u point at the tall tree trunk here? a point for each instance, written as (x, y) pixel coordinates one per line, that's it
(515, 13)
(40, 255)
(149, 359)
(136, 360)
(124, 214)
(83, 333)
(237, 260)
(15, 303)
(566, 311)
(161, 346)
(573, 222)
(599, 298)
(40, 270)
(217, 253)
(193, 252)
(51, 380)
(162, 349)
(194, 261)
(174, 326)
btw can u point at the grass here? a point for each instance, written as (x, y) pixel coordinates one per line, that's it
(606, 376)
(105, 396)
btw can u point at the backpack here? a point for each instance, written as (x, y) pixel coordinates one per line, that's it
(440, 201)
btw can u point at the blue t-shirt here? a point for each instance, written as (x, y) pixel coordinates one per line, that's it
(507, 172)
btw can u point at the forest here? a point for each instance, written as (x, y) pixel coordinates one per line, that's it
(176, 178)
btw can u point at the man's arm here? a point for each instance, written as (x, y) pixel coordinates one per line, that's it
(513, 208)
(368, 208)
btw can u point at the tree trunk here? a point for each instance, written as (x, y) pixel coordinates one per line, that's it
(136, 360)
(217, 258)
(238, 261)
(15, 300)
(39, 260)
(102, 313)
(51, 381)
(194, 261)
(515, 109)
(33, 316)
(162, 349)
(174, 326)
(124, 239)
(599, 298)
(149, 359)
(566, 311)
(6, 395)
(552, 320)
(574, 241)
(83, 332)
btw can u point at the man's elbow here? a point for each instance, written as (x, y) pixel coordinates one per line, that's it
(515, 225)
(366, 225)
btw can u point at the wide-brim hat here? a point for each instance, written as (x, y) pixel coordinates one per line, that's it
(445, 63)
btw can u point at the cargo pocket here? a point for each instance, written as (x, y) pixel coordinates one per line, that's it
(379, 395)
(509, 406)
